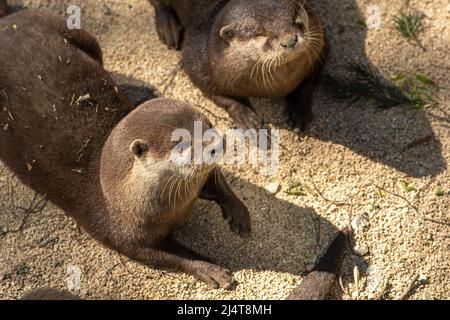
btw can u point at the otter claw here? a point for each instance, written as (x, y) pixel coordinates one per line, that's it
(168, 28)
(246, 119)
(213, 275)
(239, 220)
(302, 121)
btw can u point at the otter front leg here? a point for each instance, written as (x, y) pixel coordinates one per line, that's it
(299, 102)
(244, 117)
(167, 25)
(234, 211)
(172, 255)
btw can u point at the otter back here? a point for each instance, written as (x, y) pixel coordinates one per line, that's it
(54, 104)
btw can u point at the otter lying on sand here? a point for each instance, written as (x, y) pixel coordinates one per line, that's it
(68, 132)
(235, 49)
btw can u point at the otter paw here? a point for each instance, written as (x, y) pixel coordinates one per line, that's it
(238, 218)
(168, 28)
(303, 120)
(244, 117)
(214, 276)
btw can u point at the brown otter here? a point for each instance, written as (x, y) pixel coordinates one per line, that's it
(68, 132)
(320, 282)
(235, 49)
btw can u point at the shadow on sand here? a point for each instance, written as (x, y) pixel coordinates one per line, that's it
(285, 238)
(400, 137)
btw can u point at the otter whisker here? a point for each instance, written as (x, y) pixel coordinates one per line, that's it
(272, 71)
(179, 197)
(266, 74)
(189, 179)
(261, 70)
(255, 66)
(317, 50)
(163, 194)
(165, 186)
(172, 185)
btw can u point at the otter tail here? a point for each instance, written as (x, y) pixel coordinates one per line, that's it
(3, 7)
(318, 284)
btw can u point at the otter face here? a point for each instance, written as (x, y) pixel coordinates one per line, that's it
(166, 138)
(137, 157)
(266, 31)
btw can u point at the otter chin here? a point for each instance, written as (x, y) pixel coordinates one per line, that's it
(236, 49)
(107, 164)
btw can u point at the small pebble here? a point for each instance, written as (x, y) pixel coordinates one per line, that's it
(359, 224)
(423, 278)
(361, 250)
(272, 188)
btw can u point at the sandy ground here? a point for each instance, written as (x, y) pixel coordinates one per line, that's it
(349, 164)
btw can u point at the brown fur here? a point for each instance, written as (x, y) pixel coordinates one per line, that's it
(235, 49)
(103, 162)
(3, 7)
(320, 282)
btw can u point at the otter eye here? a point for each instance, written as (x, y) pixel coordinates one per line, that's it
(139, 147)
(227, 32)
(300, 24)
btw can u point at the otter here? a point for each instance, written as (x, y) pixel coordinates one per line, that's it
(320, 282)
(68, 132)
(236, 49)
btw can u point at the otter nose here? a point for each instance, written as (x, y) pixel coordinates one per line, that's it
(289, 41)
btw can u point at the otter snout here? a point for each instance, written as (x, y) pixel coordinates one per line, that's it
(289, 41)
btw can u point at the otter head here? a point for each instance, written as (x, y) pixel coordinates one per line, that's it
(138, 171)
(266, 31)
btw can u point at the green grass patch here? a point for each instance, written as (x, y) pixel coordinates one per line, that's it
(364, 84)
(406, 186)
(294, 188)
(409, 24)
(438, 191)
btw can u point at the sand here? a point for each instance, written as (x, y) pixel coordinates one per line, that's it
(350, 164)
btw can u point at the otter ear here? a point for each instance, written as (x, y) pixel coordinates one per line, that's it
(227, 32)
(139, 148)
